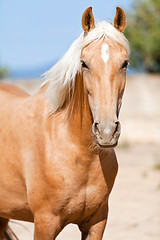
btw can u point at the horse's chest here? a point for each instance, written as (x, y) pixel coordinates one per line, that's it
(94, 196)
(87, 199)
(78, 190)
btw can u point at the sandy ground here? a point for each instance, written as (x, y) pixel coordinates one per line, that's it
(135, 199)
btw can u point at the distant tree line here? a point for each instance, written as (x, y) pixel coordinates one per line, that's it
(3, 72)
(143, 33)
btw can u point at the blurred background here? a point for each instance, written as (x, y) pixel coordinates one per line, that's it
(34, 35)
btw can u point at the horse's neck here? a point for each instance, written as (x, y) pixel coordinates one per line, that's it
(76, 115)
(79, 114)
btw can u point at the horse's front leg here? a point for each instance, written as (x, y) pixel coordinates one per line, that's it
(94, 228)
(47, 226)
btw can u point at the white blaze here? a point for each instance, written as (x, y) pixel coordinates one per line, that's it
(105, 52)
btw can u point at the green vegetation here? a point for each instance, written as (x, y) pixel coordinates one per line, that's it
(143, 33)
(3, 72)
(157, 162)
(157, 166)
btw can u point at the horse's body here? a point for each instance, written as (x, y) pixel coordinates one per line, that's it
(77, 181)
(52, 171)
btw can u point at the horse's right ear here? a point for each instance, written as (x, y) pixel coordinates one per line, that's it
(88, 22)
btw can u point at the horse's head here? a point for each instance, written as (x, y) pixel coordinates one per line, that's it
(98, 61)
(104, 63)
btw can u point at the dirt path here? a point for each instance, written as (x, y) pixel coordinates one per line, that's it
(135, 201)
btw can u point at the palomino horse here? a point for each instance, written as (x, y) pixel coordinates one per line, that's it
(57, 162)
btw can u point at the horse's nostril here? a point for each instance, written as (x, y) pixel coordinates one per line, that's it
(96, 127)
(117, 126)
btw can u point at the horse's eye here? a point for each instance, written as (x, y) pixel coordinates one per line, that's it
(83, 64)
(125, 64)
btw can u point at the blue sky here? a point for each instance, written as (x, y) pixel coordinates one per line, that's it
(36, 32)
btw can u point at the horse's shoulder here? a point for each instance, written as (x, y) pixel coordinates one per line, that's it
(13, 90)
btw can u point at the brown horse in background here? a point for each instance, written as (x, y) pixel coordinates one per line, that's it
(57, 162)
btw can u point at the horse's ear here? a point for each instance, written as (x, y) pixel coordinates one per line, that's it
(120, 19)
(88, 20)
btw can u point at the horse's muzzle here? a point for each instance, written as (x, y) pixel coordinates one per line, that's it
(106, 136)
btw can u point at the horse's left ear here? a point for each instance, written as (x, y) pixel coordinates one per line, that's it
(120, 19)
(88, 22)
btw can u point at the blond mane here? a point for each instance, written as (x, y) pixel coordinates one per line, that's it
(62, 75)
